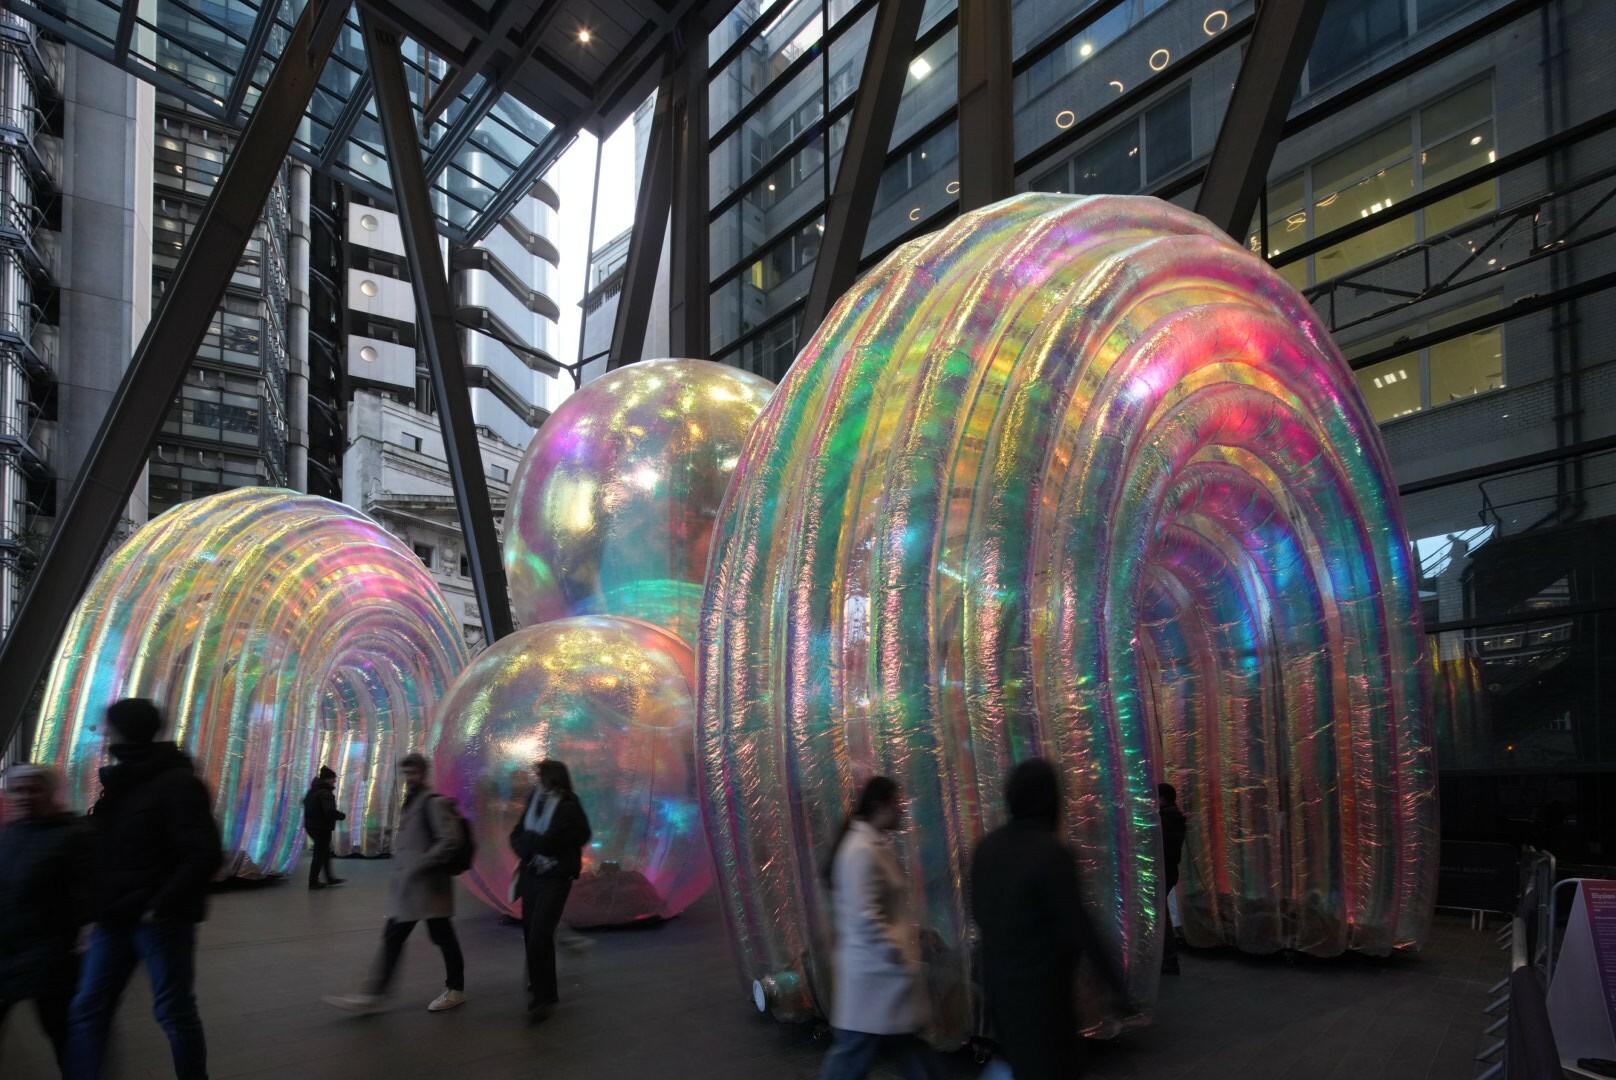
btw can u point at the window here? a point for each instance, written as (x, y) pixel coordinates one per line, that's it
(1110, 165)
(1168, 145)
(1444, 140)
(1114, 163)
(411, 442)
(500, 473)
(465, 566)
(1449, 371)
(425, 553)
(1351, 34)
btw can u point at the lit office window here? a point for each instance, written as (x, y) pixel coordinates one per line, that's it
(1450, 371)
(1373, 176)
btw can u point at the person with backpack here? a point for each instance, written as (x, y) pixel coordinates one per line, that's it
(549, 839)
(432, 845)
(320, 817)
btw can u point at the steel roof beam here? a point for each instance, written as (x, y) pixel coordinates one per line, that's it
(1255, 120)
(438, 341)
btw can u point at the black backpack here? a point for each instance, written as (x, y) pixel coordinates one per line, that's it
(465, 848)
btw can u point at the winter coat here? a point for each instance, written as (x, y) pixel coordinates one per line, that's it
(879, 986)
(44, 895)
(157, 845)
(320, 813)
(1027, 901)
(1174, 828)
(420, 888)
(563, 841)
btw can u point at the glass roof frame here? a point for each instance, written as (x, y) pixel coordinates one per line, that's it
(209, 55)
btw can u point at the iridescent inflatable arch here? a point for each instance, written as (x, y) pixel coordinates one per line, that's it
(279, 632)
(1080, 478)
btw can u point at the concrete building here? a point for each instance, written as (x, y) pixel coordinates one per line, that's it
(393, 464)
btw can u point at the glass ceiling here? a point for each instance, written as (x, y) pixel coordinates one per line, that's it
(217, 55)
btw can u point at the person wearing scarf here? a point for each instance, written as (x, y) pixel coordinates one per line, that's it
(548, 839)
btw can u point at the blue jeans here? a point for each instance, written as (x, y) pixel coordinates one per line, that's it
(169, 952)
(853, 1055)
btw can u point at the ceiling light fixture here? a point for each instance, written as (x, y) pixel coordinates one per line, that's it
(1085, 50)
(1065, 119)
(583, 36)
(1160, 59)
(1220, 17)
(919, 68)
(1475, 140)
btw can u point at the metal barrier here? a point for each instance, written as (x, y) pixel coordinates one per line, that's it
(1526, 1050)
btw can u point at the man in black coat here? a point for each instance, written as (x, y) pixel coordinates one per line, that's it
(1173, 830)
(157, 848)
(1028, 903)
(549, 840)
(320, 817)
(44, 870)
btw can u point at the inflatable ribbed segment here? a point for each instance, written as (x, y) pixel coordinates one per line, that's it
(1079, 478)
(279, 632)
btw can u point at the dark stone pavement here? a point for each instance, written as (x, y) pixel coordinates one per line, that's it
(664, 1002)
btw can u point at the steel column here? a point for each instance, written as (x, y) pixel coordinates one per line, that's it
(987, 172)
(688, 256)
(650, 220)
(124, 442)
(439, 338)
(852, 201)
(1263, 91)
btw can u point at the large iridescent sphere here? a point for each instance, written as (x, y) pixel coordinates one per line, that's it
(612, 508)
(279, 632)
(611, 698)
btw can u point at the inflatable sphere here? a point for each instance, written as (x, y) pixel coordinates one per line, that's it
(611, 509)
(278, 632)
(610, 697)
(1076, 478)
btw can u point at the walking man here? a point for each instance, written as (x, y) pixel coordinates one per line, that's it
(1028, 901)
(421, 888)
(45, 858)
(156, 849)
(320, 817)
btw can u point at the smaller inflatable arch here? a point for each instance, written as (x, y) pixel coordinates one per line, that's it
(278, 632)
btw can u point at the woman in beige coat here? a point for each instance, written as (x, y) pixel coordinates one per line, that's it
(879, 986)
(420, 888)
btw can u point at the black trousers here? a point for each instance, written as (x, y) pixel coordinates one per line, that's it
(52, 1009)
(321, 861)
(543, 899)
(441, 931)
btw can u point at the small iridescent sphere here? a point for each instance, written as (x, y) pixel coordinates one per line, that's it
(612, 508)
(611, 698)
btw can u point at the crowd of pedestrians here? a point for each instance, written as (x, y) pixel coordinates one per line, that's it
(86, 900)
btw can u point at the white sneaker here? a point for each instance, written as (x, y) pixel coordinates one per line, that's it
(446, 1000)
(355, 1003)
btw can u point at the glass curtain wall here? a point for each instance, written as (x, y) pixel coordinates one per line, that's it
(228, 427)
(1444, 195)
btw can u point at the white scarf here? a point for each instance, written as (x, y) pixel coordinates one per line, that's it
(540, 812)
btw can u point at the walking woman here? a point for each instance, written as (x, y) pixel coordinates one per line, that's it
(549, 839)
(880, 994)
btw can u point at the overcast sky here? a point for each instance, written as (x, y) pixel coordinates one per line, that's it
(572, 177)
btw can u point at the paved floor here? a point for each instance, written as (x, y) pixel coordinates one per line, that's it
(664, 1002)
